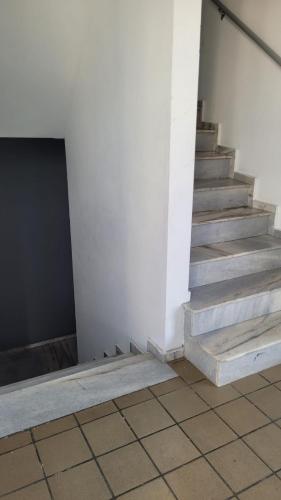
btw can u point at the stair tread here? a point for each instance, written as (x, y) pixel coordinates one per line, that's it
(208, 296)
(228, 249)
(238, 340)
(54, 399)
(227, 214)
(206, 131)
(225, 183)
(214, 155)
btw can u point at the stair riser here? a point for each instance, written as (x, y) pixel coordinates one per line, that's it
(231, 313)
(225, 269)
(222, 373)
(219, 199)
(206, 141)
(213, 169)
(215, 232)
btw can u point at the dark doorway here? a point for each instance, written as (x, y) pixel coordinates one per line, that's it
(36, 285)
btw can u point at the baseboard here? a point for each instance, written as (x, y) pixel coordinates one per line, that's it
(262, 205)
(247, 179)
(135, 347)
(167, 356)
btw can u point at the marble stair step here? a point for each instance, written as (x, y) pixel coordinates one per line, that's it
(206, 139)
(235, 352)
(218, 194)
(230, 224)
(214, 164)
(233, 301)
(231, 259)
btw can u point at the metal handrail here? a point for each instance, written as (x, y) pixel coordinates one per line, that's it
(225, 11)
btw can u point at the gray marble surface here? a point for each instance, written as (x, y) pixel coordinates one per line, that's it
(226, 183)
(208, 168)
(228, 225)
(238, 351)
(206, 140)
(214, 216)
(34, 405)
(229, 260)
(212, 155)
(238, 288)
(227, 249)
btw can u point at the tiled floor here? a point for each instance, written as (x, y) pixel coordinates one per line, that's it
(183, 439)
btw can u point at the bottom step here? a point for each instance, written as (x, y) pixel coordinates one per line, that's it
(31, 403)
(235, 352)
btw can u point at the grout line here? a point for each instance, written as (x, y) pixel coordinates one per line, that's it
(144, 449)
(41, 464)
(95, 459)
(195, 445)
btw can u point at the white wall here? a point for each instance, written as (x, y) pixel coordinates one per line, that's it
(241, 86)
(130, 151)
(40, 42)
(184, 93)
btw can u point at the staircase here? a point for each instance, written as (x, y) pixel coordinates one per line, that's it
(233, 322)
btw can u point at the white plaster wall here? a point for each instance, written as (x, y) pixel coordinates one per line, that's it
(184, 93)
(40, 43)
(130, 151)
(241, 86)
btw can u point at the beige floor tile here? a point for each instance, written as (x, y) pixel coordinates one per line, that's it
(272, 374)
(108, 433)
(147, 418)
(187, 371)
(127, 468)
(213, 395)
(268, 489)
(170, 449)
(238, 465)
(19, 468)
(38, 491)
(84, 482)
(15, 441)
(55, 427)
(250, 384)
(268, 400)
(278, 422)
(266, 443)
(166, 387)
(197, 481)
(95, 412)
(208, 431)
(133, 399)
(156, 490)
(242, 416)
(183, 404)
(62, 451)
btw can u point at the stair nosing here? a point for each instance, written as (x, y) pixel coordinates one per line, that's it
(234, 255)
(249, 295)
(214, 306)
(261, 213)
(205, 131)
(217, 156)
(241, 186)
